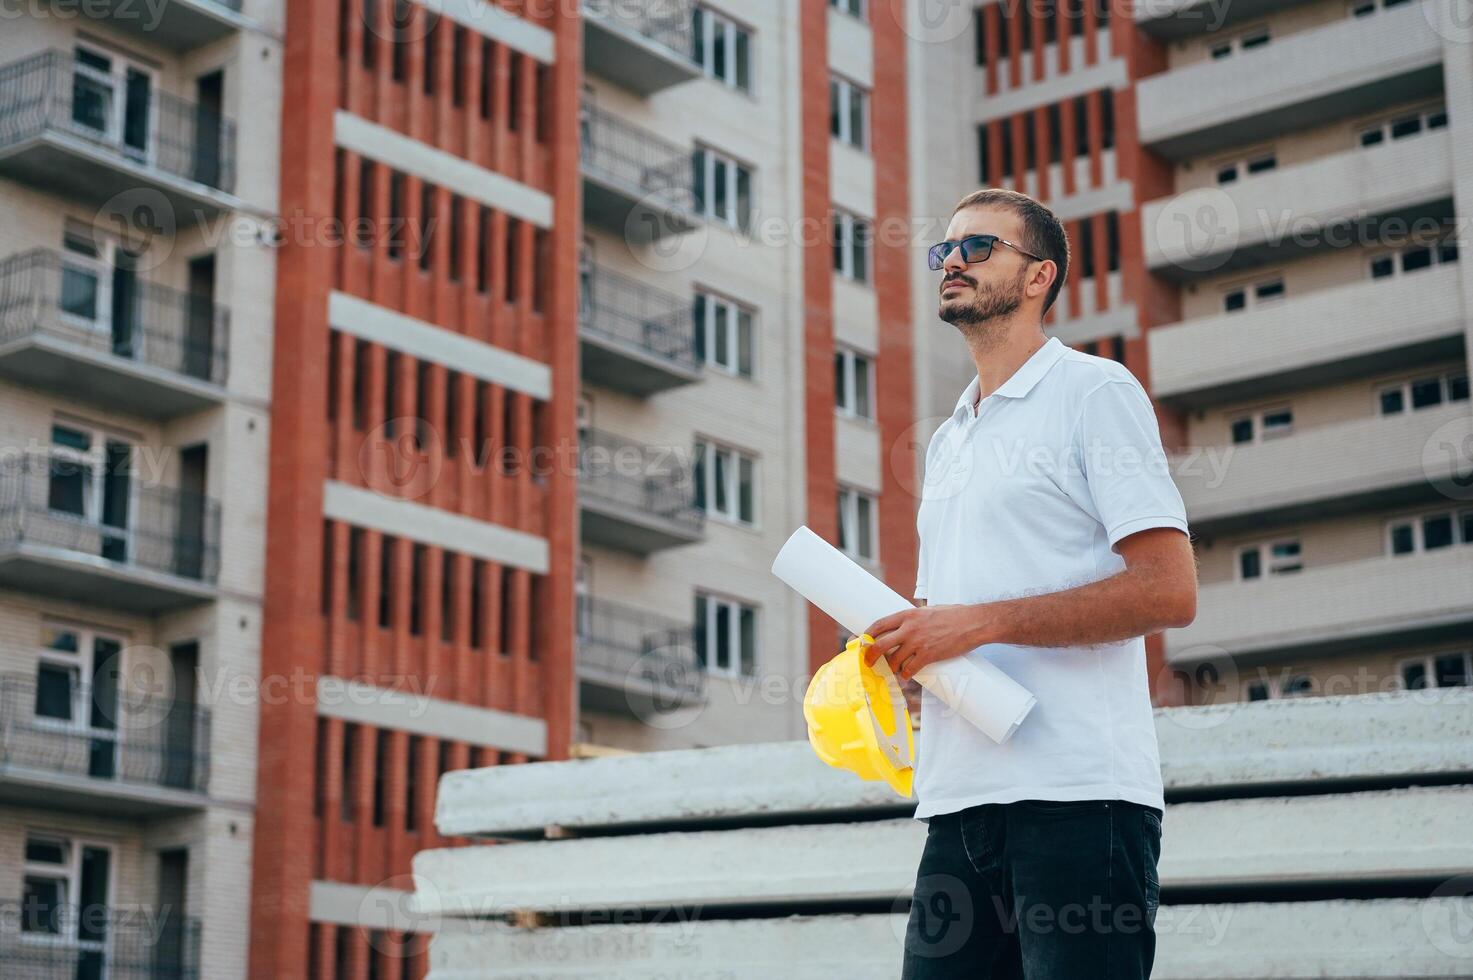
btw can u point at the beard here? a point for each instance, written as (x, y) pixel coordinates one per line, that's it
(990, 303)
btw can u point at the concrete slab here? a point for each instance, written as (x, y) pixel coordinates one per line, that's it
(1224, 749)
(1392, 835)
(1381, 938)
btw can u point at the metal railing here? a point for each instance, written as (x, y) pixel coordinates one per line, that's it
(154, 325)
(614, 470)
(104, 731)
(69, 942)
(158, 529)
(622, 153)
(49, 92)
(665, 21)
(633, 312)
(632, 646)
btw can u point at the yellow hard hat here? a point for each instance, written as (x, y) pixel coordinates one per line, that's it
(856, 714)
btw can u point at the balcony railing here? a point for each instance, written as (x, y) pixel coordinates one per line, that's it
(42, 294)
(666, 22)
(103, 731)
(631, 312)
(48, 94)
(52, 503)
(51, 942)
(635, 160)
(632, 479)
(649, 657)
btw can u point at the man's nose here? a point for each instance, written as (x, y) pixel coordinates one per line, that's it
(953, 261)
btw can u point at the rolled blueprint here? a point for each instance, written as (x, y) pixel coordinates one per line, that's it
(973, 687)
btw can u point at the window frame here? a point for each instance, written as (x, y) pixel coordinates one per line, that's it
(707, 21)
(846, 226)
(706, 649)
(706, 453)
(71, 873)
(705, 328)
(843, 92)
(1417, 522)
(1428, 663)
(846, 396)
(707, 158)
(1268, 565)
(1445, 380)
(849, 500)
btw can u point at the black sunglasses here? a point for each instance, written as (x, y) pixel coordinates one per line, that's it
(975, 248)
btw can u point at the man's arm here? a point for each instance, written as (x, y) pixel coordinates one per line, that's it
(1156, 591)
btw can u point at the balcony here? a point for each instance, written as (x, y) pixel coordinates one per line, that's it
(91, 136)
(1318, 338)
(643, 47)
(103, 337)
(1369, 464)
(1297, 82)
(1286, 214)
(1171, 20)
(635, 184)
(180, 25)
(633, 498)
(48, 942)
(69, 531)
(635, 662)
(104, 748)
(1353, 605)
(633, 337)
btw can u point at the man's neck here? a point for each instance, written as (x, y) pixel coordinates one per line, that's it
(996, 363)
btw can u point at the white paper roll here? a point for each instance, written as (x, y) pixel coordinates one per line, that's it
(833, 582)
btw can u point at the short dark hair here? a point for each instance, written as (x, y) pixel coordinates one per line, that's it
(1042, 232)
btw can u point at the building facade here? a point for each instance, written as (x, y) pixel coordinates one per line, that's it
(1269, 241)
(138, 153)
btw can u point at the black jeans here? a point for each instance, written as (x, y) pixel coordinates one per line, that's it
(1037, 889)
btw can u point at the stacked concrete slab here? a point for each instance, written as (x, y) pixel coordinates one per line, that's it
(1323, 837)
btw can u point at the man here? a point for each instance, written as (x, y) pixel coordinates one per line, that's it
(1052, 540)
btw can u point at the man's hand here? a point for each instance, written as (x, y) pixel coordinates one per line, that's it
(914, 638)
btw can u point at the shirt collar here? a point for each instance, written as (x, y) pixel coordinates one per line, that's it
(1022, 381)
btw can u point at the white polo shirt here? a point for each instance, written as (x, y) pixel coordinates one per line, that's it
(1029, 496)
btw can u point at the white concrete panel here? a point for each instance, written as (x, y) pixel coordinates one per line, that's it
(411, 711)
(430, 525)
(500, 25)
(1346, 939)
(377, 907)
(443, 169)
(427, 342)
(1229, 747)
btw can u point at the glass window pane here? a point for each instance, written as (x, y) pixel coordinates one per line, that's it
(718, 49)
(862, 522)
(720, 340)
(1249, 563)
(743, 198)
(841, 396)
(1401, 128)
(1382, 267)
(1403, 539)
(749, 640)
(744, 343)
(861, 387)
(1243, 430)
(836, 111)
(1234, 301)
(1426, 392)
(1392, 401)
(56, 687)
(861, 251)
(719, 188)
(1416, 258)
(698, 333)
(698, 475)
(1451, 670)
(1457, 388)
(1257, 691)
(1372, 136)
(743, 59)
(701, 634)
(698, 36)
(719, 478)
(856, 118)
(43, 904)
(1414, 676)
(1465, 520)
(1437, 531)
(844, 534)
(723, 636)
(745, 490)
(79, 292)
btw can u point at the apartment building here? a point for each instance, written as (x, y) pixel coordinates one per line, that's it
(745, 344)
(138, 154)
(423, 472)
(1265, 204)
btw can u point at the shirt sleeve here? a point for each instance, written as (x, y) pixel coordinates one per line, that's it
(920, 589)
(1125, 467)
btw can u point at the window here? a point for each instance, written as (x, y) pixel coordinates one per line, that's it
(1274, 558)
(725, 482)
(725, 636)
(1365, 8)
(853, 384)
(113, 100)
(1437, 670)
(65, 895)
(1429, 532)
(723, 188)
(1229, 171)
(90, 477)
(86, 279)
(722, 48)
(852, 7)
(1246, 295)
(77, 684)
(1262, 425)
(1414, 258)
(848, 112)
(723, 334)
(858, 528)
(1264, 689)
(851, 246)
(1404, 126)
(1426, 392)
(1247, 41)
